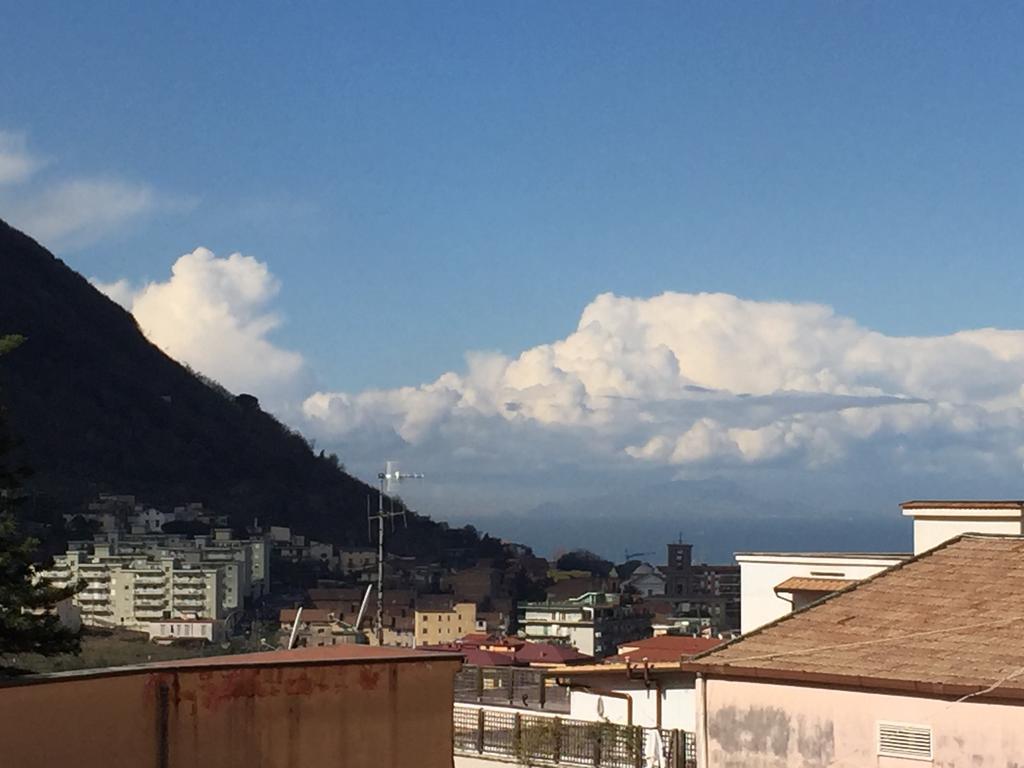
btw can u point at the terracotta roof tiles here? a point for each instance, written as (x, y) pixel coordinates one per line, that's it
(953, 617)
(813, 584)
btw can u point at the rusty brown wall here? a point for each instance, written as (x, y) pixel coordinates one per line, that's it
(374, 715)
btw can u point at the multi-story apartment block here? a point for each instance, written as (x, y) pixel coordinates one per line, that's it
(245, 563)
(594, 624)
(122, 591)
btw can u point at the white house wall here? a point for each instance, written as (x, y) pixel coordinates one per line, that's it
(760, 573)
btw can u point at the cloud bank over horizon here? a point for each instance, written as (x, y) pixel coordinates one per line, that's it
(705, 380)
(677, 384)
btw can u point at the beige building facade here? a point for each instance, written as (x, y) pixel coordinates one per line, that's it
(444, 626)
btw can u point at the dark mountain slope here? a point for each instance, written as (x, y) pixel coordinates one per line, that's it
(100, 409)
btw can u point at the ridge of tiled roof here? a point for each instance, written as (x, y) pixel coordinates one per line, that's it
(936, 622)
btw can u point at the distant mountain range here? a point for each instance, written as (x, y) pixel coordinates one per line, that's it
(718, 516)
(100, 409)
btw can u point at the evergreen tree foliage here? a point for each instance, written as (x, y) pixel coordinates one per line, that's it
(27, 625)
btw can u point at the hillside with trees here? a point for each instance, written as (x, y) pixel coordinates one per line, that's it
(99, 409)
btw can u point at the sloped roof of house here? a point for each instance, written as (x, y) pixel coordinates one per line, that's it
(550, 653)
(663, 648)
(474, 656)
(813, 584)
(947, 622)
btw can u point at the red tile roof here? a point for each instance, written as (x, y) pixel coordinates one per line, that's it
(474, 656)
(664, 648)
(476, 639)
(550, 653)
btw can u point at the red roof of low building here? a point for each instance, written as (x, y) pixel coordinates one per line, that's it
(474, 656)
(550, 653)
(664, 648)
(477, 639)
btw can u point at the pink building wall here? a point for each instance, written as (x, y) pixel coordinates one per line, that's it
(764, 725)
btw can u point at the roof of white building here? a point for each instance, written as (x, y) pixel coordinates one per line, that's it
(947, 622)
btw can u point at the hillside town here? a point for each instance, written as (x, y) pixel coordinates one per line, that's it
(183, 574)
(678, 664)
(511, 384)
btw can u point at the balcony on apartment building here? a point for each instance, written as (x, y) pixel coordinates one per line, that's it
(349, 705)
(189, 577)
(93, 595)
(96, 609)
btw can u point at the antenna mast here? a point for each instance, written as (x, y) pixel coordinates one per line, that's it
(389, 478)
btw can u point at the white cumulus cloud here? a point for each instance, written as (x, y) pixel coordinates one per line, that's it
(715, 380)
(213, 314)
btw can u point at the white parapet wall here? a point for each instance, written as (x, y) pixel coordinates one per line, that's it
(936, 522)
(761, 572)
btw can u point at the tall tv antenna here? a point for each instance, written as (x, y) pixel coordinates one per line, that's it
(389, 480)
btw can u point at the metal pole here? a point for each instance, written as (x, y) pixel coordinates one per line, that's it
(362, 606)
(295, 628)
(380, 563)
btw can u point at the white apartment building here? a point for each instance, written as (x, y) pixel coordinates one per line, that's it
(591, 624)
(776, 583)
(131, 592)
(245, 562)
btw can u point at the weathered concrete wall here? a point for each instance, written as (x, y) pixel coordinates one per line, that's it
(761, 725)
(260, 716)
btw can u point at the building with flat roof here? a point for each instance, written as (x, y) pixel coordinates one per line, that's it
(348, 705)
(594, 624)
(131, 592)
(439, 619)
(775, 583)
(937, 521)
(922, 663)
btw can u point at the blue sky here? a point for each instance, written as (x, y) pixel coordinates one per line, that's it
(431, 178)
(423, 180)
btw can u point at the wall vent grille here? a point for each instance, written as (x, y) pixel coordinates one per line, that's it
(905, 740)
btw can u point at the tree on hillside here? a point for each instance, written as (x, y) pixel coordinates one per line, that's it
(27, 625)
(584, 560)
